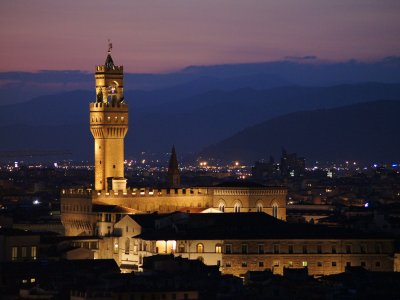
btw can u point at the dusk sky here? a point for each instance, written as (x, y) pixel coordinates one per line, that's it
(165, 35)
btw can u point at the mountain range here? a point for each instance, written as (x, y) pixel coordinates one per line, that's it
(190, 119)
(361, 132)
(16, 87)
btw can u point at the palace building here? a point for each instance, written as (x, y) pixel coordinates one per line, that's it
(95, 211)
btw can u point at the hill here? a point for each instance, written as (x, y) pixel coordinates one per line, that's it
(362, 132)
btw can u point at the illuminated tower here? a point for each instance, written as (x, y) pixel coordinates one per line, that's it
(109, 125)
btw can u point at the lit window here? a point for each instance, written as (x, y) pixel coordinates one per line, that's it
(304, 264)
(290, 264)
(237, 207)
(33, 252)
(259, 207)
(275, 211)
(200, 248)
(218, 249)
(14, 254)
(116, 246)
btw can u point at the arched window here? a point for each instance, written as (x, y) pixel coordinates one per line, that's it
(275, 210)
(237, 207)
(259, 207)
(200, 248)
(218, 248)
(221, 207)
(127, 245)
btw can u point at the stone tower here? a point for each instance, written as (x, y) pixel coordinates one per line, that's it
(173, 176)
(109, 125)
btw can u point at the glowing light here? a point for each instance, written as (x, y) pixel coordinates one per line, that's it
(36, 202)
(366, 205)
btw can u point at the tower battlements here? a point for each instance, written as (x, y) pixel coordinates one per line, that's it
(106, 106)
(116, 69)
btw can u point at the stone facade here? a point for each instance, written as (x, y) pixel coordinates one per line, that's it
(78, 216)
(321, 257)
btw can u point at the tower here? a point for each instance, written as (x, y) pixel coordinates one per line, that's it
(173, 176)
(109, 125)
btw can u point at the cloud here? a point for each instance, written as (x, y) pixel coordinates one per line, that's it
(306, 57)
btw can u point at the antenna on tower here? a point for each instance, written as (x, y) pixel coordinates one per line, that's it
(109, 46)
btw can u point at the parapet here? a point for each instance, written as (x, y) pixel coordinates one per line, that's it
(101, 106)
(116, 69)
(149, 192)
(76, 193)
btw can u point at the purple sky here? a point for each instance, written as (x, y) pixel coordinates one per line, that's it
(165, 35)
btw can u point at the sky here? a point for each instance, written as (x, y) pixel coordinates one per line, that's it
(166, 35)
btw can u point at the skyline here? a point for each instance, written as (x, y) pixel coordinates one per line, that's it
(163, 36)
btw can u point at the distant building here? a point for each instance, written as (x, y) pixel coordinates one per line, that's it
(18, 245)
(291, 165)
(173, 174)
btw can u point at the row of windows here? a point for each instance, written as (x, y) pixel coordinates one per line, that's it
(75, 208)
(276, 264)
(305, 249)
(261, 249)
(238, 206)
(24, 252)
(108, 119)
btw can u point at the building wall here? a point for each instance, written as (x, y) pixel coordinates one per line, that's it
(321, 257)
(19, 247)
(78, 221)
(109, 125)
(317, 255)
(76, 214)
